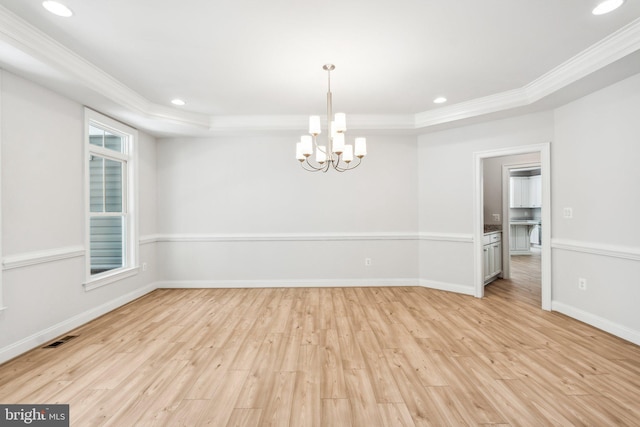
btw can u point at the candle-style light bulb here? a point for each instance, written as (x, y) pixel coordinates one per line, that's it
(341, 122)
(307, 145)
(361, 147)
(314, 125)
(347, 155)
(338, 143)
(321, 154)
(301, 157)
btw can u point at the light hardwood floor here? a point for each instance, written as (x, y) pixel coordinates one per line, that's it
(336, 357)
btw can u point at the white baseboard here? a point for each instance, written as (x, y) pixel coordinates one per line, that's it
(597, 322)
(46, 335)
(450, 287)
(326, 283)
(309, 283)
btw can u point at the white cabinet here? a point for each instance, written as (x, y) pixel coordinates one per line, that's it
(525, 191)
(519, 241)
(492, 256)
(519, 192)
(535, 191)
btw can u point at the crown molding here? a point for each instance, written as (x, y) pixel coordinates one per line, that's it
(23, 36)
(617, 45)
(612, 48)
(83, 77)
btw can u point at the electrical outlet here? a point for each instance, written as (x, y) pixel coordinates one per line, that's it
(367, 262)
(144, 266)
(496, 217)
(582, 284)
(567, 213)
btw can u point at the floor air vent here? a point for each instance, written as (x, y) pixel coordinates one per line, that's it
(59, 342)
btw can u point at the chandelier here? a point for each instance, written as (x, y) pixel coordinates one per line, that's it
(335, 154)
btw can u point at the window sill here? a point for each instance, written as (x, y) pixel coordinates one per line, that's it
(101, 281)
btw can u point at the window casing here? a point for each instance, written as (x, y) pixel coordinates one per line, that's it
(111, 230)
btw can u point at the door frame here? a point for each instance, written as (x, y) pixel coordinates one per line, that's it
(478, 213)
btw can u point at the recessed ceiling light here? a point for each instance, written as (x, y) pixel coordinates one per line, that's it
(607, 6)
(178, 102)
(57, 8)
(440, 100)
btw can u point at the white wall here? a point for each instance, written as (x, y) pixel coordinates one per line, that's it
(446, 189)
(595, 171)
(281, 224)
(43, 219)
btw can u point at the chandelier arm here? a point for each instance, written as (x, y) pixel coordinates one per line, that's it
(350, 166)
(310, 167)
(357, 164)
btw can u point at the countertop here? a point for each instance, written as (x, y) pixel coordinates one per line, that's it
(492, 228)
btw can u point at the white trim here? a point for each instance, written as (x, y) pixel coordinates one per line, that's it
(449, 287)
(614, 251)
(313, 283)
(598, 322)
(129, 158)
(29, 40)
(41, 337)
(42, 257)
(446, 237)
(98, 281)
(284, 237)
(146, 240)
(615, 46)
(287, 283)
(478, 213)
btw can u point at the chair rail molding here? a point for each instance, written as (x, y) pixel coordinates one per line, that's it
(40, 257)
(614, 251)
(285, 237)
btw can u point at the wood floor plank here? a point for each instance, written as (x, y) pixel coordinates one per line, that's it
(380, 376)
(332, 384)
(422, 408)
(395, 414)
(305, 410)
(241, 417)
(221, 404)
(336, 412)
(277, 411)
(364, 408)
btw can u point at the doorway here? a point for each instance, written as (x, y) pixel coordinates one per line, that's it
(521, 206)
(543, 150)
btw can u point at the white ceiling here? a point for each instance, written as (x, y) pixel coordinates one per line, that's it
(258, 64)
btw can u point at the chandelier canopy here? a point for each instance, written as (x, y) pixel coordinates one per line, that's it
(335, 154)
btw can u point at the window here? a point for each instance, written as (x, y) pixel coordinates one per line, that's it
(110, 182)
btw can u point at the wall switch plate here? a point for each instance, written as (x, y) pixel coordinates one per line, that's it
(582, 284)
(496, 217)
(144, 266)
(367, 262)
(567, 213)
